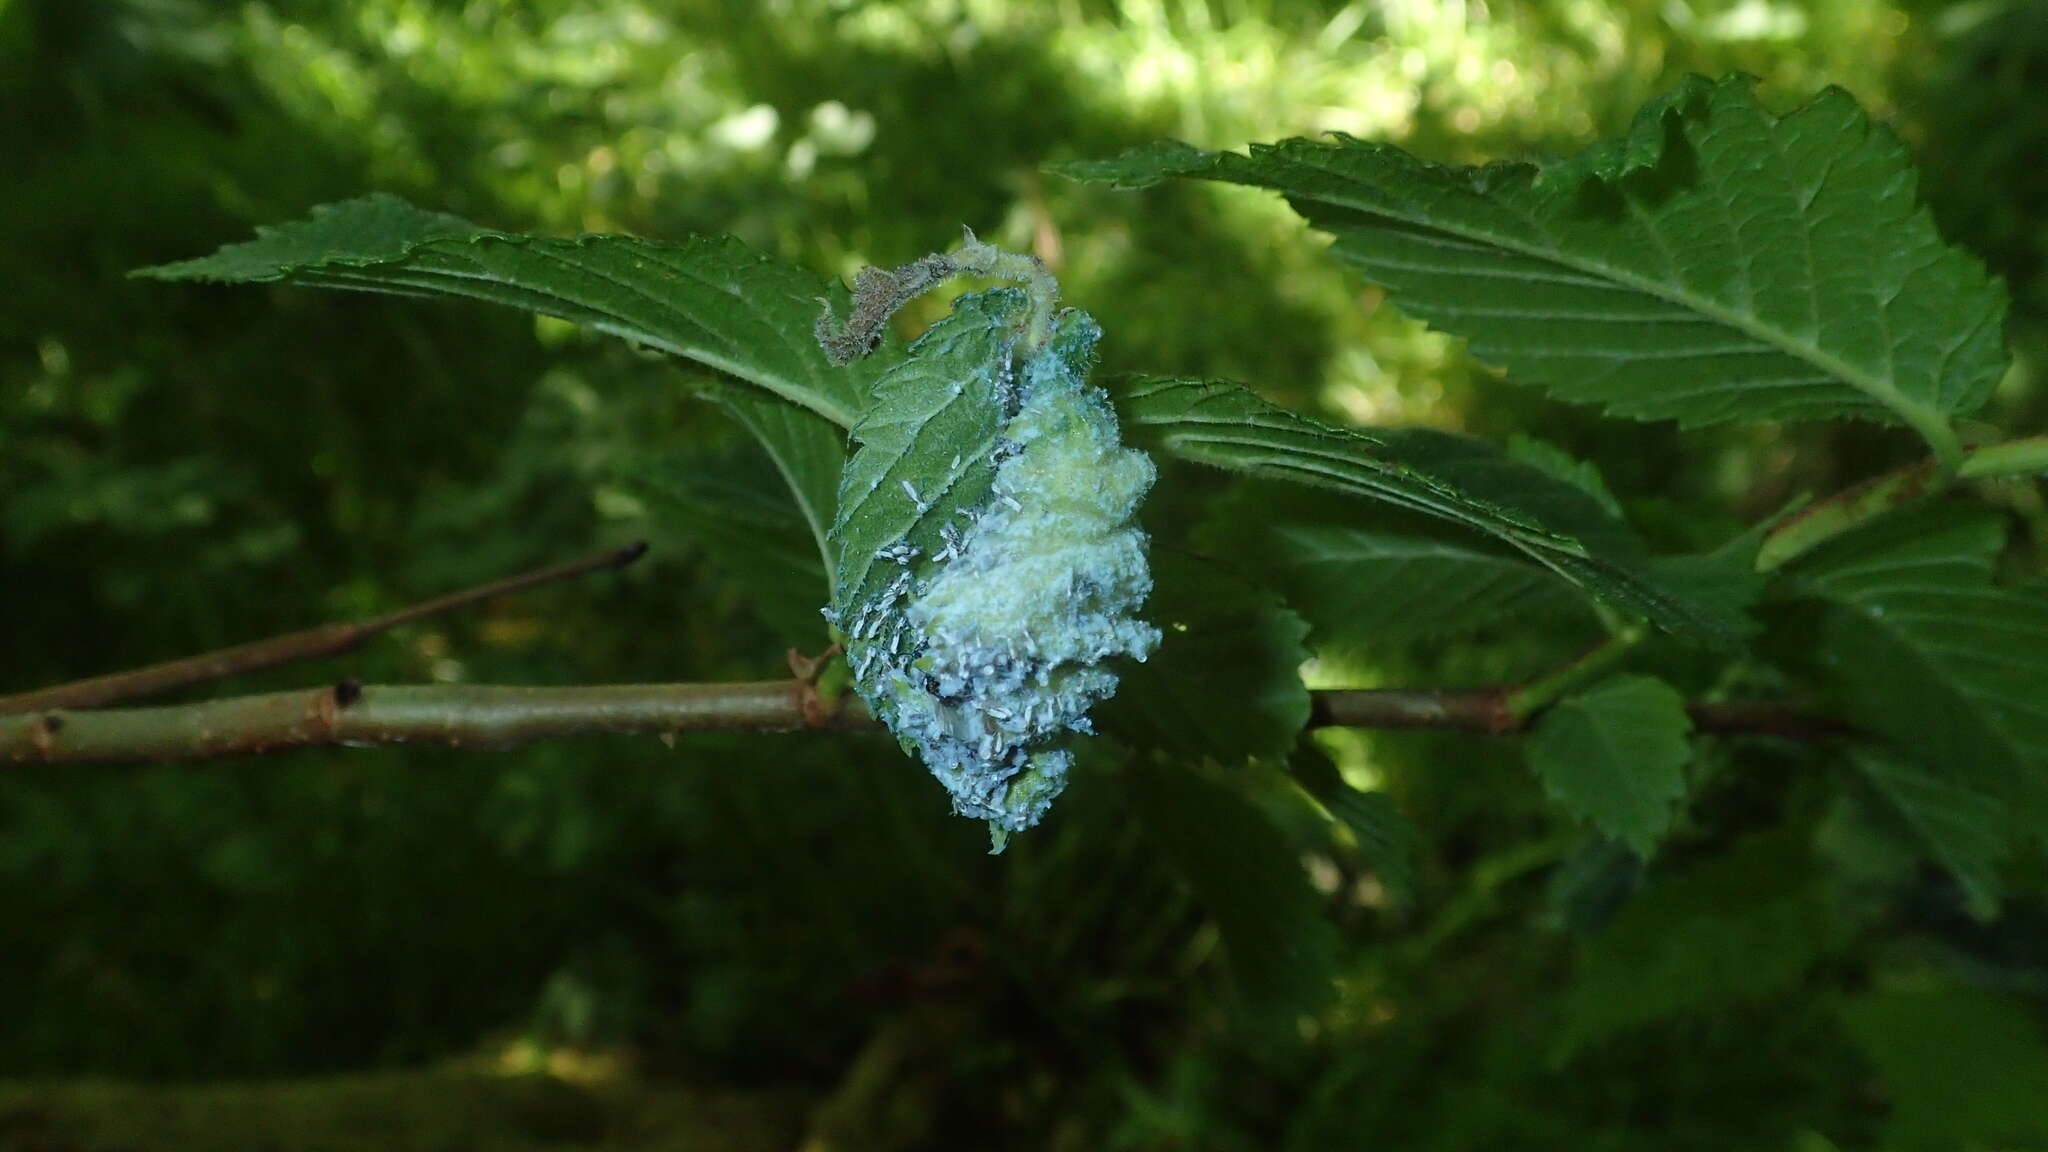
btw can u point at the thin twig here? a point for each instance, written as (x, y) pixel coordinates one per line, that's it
(293, 648)
(1762, 718)
(1547, 689)
(1486, 711)
(452, 716)
(466, 716)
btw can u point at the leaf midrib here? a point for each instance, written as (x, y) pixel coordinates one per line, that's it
(1924, 653)
(1928, 421)
(1364, 478)
(795, 392)
(969, 460)
(1463, 508)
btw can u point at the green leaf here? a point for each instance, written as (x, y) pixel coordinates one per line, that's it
(1968, 832)
(1644, 145)
(1226, 681)
(1535, 490)
(1224, 425)
(1591, 885)
(1708, 594)
(370, 230)
(1724, 580)
(709, 300)
(1963, 1068)
(1281, 948)
(725, 507)
(1357, 585)
(1721, 264)
(1740, 928)
(1558, 464)
(927, 443)
(1917, 645)
(808, 451)
(1145, 166)
(1615, 755)
(1386, 839)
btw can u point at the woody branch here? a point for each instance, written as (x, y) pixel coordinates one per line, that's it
(481, 716)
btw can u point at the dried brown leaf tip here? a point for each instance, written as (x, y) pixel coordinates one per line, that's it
(877, 294)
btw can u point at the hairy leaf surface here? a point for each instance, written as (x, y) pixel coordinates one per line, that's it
(711, 300)
(1720, 263)
(1615, 756)
(926, 444)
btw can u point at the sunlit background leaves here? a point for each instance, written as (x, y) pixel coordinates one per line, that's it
(789, 933)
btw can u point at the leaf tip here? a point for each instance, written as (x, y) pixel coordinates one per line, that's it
(1141, 167)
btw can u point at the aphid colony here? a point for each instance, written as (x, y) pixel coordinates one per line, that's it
(985, 652)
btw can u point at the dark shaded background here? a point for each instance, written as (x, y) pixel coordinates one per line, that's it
(736, 941)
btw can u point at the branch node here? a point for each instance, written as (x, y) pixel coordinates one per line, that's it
(323, 711)
(44, 735)
(347, 692)
(811, 705)
(809, 668)
(817, 710)
(1499, 715)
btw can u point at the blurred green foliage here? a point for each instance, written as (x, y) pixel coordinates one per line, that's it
(181, 469)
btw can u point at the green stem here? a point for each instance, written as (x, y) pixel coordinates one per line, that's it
(1940, 436)
(2026, 457)
(979, 258)
(1817, 523)
(1552, 686)
(1917, 481)
(352, 715)
(1480, 898)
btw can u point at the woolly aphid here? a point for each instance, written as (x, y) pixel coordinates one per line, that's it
(985, 653)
